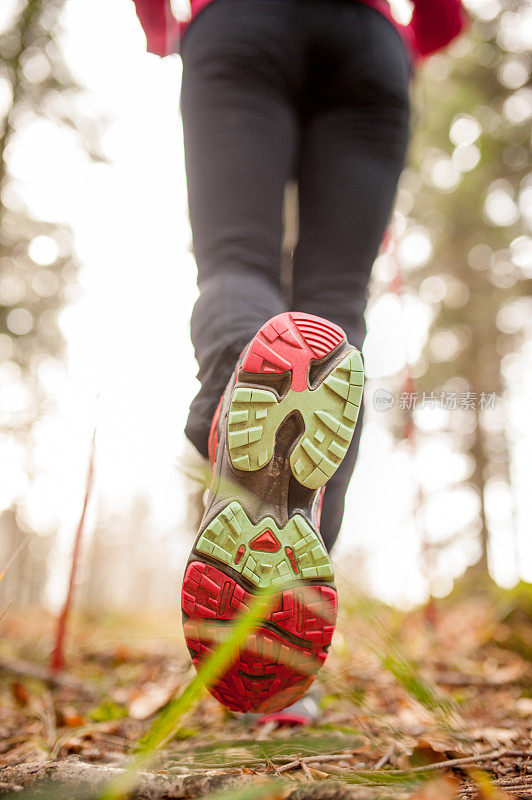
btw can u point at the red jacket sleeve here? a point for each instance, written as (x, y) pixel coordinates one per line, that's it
(434, 24)
(160, 27)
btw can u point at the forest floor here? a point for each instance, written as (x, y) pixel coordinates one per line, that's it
(431, 704)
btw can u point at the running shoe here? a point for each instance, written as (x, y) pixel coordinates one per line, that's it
(281, 430)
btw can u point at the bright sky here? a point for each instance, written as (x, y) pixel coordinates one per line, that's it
(127, 331)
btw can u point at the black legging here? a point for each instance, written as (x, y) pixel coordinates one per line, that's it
(272, 90)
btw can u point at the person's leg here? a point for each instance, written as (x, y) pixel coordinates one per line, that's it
(240, 139)
(353, 149)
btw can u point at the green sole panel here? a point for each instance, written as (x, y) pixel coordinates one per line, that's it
(264, 553)
(329, 413)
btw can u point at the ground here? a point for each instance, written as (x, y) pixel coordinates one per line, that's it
(432, 703)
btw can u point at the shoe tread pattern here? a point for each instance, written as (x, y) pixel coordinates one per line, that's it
(276, 664)
(268, 674)
(306, 612)
(329, 413)
(234, 558)
(301, 556)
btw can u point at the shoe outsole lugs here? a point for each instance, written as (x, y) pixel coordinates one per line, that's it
(285, 424)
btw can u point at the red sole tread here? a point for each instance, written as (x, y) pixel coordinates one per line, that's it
(270, 671)
(290, 341)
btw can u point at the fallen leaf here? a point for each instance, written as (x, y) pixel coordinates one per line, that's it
(20, 693)
(523, 706)
(122, 654)
(486, 789)
(445, 787)
(69, 717)
(495, 735)
(502, 675)
(426, 753)
(73, 745)
(150, 698)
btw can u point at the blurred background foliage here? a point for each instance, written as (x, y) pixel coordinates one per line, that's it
(462, 248)
(38, 267)
(459, 259)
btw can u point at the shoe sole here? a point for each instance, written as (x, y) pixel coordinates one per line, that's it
(286, 423)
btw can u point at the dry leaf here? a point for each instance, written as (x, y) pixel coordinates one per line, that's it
(523, 706)
(445, 787)
(317, 774)
(20, 693)
(149, 699)
(69, 717)
(495, 735)
(502, 675)
(73, 745)
(426, 753)
(486, 789)
(122, 654)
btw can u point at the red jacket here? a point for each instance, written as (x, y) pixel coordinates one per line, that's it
(434, 24)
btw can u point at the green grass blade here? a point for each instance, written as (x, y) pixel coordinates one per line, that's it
(406, 676)
(167, 722)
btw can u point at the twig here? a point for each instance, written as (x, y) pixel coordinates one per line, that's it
(6, 609)
(460, 680)
(270, 763)
(10, 787)
(518, 780)
(385, 758)
(25, 669)
(14, 555)
(330, 769)
(307, 773)
(57, 660)
(508, 784)
(95, 730)
(314, 759)
(48, 717)
(286, 767)
(290, 765)
(453, 762)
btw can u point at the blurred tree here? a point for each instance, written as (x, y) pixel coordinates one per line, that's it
(37, 264)
(463, 239)
(130, 564)
(26, 557)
